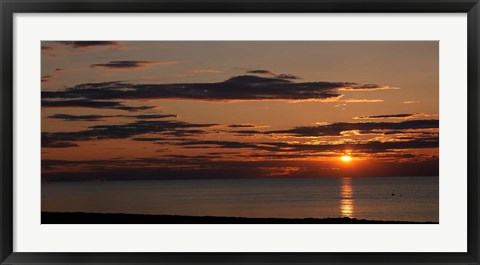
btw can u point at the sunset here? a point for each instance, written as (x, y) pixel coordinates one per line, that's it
(284, 130)
(346, 158)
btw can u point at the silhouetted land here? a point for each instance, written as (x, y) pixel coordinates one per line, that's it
(113, 218)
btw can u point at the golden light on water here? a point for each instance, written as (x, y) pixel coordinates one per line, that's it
(346, 201)
(346, 158)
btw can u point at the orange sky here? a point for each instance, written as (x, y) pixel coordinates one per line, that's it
(153, 110)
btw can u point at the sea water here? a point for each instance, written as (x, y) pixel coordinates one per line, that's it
(375, 198)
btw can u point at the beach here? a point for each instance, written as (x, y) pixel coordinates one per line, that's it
(96, 218)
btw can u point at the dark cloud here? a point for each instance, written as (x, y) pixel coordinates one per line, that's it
(368, 87)
(247, 132)
(81, 103)
(84, 44)
(259, 72)
(220, 144)
(279, 147)
(241, 125)
(287, 76)
(151, 139)
(184, 132)
(172, 166)
(267, 72)
(68, 117)
(171, 132)
(386, 116)
(128, 130)
(154, 116)
(122, 64)
(245, 87)
(203, 167)
(222, 153)
(404, 132)
(51, 143)
(59, 144)
(46, 78)
(335, 129)
(85, 103)
(177, 133)
(133, 109)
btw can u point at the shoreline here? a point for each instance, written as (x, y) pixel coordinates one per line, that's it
(118, 218)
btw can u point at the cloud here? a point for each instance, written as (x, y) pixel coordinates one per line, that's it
(129, 64)
(411, 102)
(238, 88)
(259, 72)
(84, 44)
(287, 76)
(67, 117)
(241, 126)
(339, 129)
(85, 103)
(51, 143)
(362, 100)
(128, 130)
(247, 132)
(205, 71)
(79, 103)
(134, 109)
(318, 149)
(335, 129)
(387, 116)
(221, 144)
(151, 139)
(368, 87)
(46, 78)
(154, 116)
(61, 49)
(198, 167)
(268, 72)
(403, 116)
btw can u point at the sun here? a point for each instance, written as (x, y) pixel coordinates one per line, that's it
(346, 158)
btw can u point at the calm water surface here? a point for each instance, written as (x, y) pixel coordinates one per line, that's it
(380, 198)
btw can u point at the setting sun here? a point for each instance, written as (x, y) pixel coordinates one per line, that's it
(346, 158)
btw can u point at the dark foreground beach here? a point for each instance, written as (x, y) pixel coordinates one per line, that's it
(112, 218)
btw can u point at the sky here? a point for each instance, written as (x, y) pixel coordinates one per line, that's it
(136, 110)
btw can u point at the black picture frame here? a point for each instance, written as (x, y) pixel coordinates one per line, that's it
(9, 8)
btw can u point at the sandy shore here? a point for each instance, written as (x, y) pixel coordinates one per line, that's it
(113, 218)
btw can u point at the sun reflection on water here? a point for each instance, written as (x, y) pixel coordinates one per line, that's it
(346, 201)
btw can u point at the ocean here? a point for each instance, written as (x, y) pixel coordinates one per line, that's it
(376, 198)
